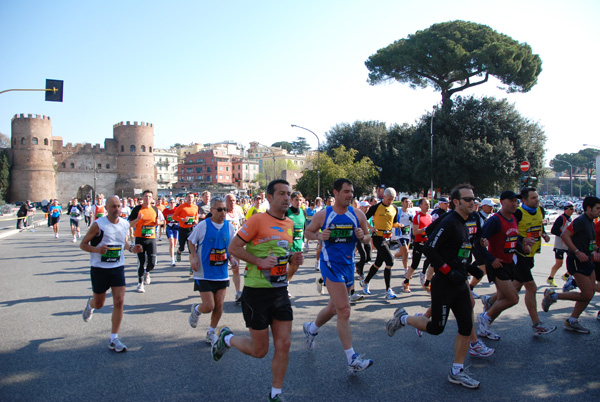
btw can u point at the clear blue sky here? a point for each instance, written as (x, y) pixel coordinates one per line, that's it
(206, 71)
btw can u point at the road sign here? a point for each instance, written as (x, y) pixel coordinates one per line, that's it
(525, 166)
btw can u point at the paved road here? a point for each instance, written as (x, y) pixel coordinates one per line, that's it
(49, 353)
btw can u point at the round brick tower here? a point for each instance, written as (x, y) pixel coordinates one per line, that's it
(32, 174)
(135, 158)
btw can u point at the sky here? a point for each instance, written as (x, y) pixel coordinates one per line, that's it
(206, 71)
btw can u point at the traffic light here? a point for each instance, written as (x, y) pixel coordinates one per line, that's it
(54, 90)
(529, 181)
(524, 182)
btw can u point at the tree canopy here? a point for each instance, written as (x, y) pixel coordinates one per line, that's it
(453, 56)
(341, 163)
(583, 161)
(283, 145)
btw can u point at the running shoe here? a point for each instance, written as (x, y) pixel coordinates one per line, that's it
(462, 378)
(362, 282)
(277, 398)
(475, 295)
(366, 289)
(317, 265)
(117, 346)
(542, 329)
(551, 282)
(417, 330)
(427, 288)
(74, 240)
(310, 338)
(485, 329)
(547, 301)
(576, 326)
(173, 262)
(319, 284)
(485, 300)
(211, 337)
(570, 285)
(56, 235)
(140, 288)
(389, 295)
(565, 277)
(87, 312)
(354, 297)
(194, 316)
(422, 278)
(219, 348)
(359, 364)
(238, 297)
(178, 257)
(395, 323)
(406, 288)
(147, 279)
(480, 349)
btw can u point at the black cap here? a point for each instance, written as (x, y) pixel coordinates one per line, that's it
(509, 195)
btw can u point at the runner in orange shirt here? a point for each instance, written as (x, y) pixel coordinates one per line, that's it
(186, 215)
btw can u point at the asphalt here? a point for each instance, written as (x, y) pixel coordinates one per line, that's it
(49, 353)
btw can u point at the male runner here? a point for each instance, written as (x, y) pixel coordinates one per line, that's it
(204, 205)
(208, 245)
(172, 228)
(106, 242)
(186, 215)
(144, 218)
(298, 216)
(54, 212)
(255, 208)
(98, 209)
(486, 208)
(264, 242)
(420, 223)
(76, 213)
(448, 250)
(580, 239)
(384, 214)
(559, 226)
(405, 219)
(236, 217)
(341, 228)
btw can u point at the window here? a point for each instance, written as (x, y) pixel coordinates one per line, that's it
(72, 166)
(132, 148)
(122, 148)
(208, 178)
(45, 141)
(200, 160)
(199, 170)
(208, 169)
(190, 170)
(227, 177)
(34, 141)
(221, 176)
(182, 170)
(190, 161)
(221, 168)
(62, 165)
(149, 149)
(143, 148)
(107, 166)
(22, 140)
(227, 168)
(99, 166)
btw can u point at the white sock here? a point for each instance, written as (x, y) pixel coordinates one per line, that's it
(196, 309)
(349, 353)
(227, 339)
(313, 328)
(275, 392)
(211, 330)
(113, 337)
(456, 367)
(90, 307)
(403, 319)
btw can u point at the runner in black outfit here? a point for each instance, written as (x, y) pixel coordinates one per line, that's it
(448, 250)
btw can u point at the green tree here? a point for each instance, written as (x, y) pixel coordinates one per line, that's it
(4, 173)
(284, 145)
(300, 146)
(583, 161)
(341, 163)
(480, 141)
(4, 141)
(453, 56)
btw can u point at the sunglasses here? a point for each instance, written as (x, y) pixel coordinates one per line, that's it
(467, 199)
(221, 210)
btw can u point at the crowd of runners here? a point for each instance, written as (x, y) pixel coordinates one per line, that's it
(459, 242)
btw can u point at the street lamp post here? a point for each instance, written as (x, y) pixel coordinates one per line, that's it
(318, 158)
(571, 178)
(431, 189)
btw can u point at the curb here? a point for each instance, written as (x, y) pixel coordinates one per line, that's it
(11, 232)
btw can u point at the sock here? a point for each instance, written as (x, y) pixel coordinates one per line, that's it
(227, 339)
(196, 309)
(403, 319)
(572, 320)
(113, 337)
(456, 367)
(387, 277)
(351, 292)
(550, 277)
(275, 392)
(426, 282)
(349, 353)
(211, 330)
(372, 271)
(313, 328)
(406, 280)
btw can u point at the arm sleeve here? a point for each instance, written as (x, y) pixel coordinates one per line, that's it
(134, 214)
(371, 210)
(557, 225)
(438, 236)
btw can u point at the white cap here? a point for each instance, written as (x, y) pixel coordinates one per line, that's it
(488, 201)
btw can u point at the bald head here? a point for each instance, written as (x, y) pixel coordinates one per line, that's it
(113, 208)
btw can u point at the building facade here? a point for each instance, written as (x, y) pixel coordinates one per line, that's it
(166, 164)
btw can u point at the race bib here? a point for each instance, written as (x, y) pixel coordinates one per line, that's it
(534, 231)
(465, 250)
(278, 273)
(592, 246)
(405, 230)
(386, 234)
(147, 231)
(218, 257)
(189, 220)
(510, 244)
(340, 233)
(113, 254)
(298, 233)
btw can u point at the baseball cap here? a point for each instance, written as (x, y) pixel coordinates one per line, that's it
(443, 199)
(488, 202)
(364, 204)
(509, 195)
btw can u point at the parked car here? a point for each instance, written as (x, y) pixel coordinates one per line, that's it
(551, 216)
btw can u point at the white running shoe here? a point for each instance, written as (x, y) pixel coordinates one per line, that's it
(480, 349)
(238, 297)
(359, 364)
(147, 279)
(87, 311)
(211, 337)
(117, 346)
(140, 288)
(422, 278)
(310, 338)
(389, 295)
(354, 297)
(74, 239)
(462, 378)
(319, 284)
(194, 316)
(417, 330)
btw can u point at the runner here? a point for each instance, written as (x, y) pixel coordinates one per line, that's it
(144, 218)
(559, 226)
(403, 233)
(76, 213)
(186, 215)
(298, 216)
(106, 242)
(236, 217)
(54, 212)
(580, 239)
(341, 228)
(385, 215)
(208, 244)
(204, 205)
(264, 242)
(98, 210)
(448, 249)
(255, 208)
(420, 223)
(486, 208)
(172, 228)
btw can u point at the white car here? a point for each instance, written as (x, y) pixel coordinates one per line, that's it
(551, 216)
